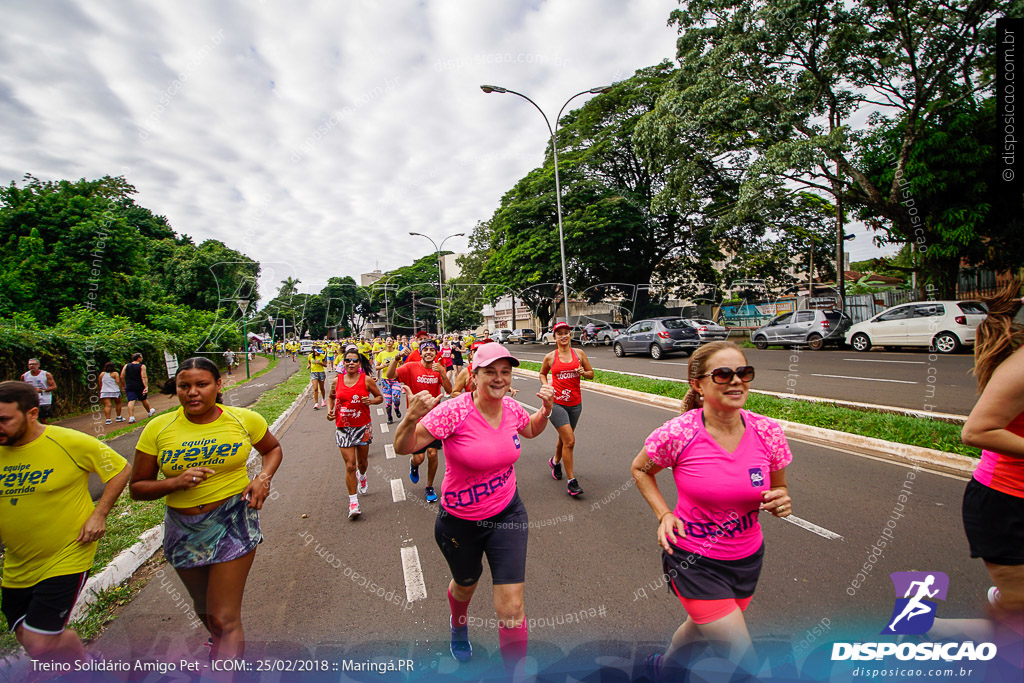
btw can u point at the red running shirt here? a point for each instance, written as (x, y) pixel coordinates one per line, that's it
(565, 380)
(418, 378)
(349, 410)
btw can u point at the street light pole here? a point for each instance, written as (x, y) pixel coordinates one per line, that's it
(440, 277)
(553, 132)
(243, 305)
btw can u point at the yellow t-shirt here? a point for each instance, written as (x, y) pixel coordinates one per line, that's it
(44, 501)
(316, 363)
(378, 347)
(364, 348)
(384, 357)
(222, 445)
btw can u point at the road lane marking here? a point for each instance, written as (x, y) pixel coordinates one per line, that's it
(872, 360)
(389, 451)
(384, 428)
(865, 379)
(380, 411)
(813, 528)
(397, 491)
(664, 362)
(415, 586)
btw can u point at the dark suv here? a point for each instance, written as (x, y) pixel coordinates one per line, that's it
(657, 336)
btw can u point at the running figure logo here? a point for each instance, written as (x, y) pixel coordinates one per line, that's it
(914, 612)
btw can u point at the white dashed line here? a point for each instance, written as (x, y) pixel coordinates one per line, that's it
(384, 428)
(415, 586)
(397, 491)
(380, 411)
(813, 528)
(389, 451)
(865, 379)
(872, 360)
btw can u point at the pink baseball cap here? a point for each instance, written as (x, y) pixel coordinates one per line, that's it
(488, 353)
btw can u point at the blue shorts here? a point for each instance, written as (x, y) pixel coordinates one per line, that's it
(136, 395)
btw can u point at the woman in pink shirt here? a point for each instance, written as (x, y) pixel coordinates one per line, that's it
(480, 512)
(728, 464)
(993, 505)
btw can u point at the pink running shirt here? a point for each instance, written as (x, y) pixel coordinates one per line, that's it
(719, 492)
(479, 477)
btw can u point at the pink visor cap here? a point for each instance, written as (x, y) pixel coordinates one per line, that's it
(488, 353)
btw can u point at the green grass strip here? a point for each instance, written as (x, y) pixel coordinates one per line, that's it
(913, 431)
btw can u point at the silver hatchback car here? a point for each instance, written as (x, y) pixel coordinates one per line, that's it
(811, 328)
(657, 336)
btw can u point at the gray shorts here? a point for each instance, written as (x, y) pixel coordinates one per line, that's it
(565, 415)
(318, 375)
(350, 437)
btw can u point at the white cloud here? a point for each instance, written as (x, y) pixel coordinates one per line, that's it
(318, 134)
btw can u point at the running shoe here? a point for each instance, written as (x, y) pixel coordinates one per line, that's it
(398, 413)
(362, 484)
(316, 406)
(353, 510)
(574, 488)
(414, 473)
(119, 419)
(391, 420)
(993, 596)
(108, 422)
(131, 420)
(461, 649)
(323, 403)
(152, 412)
(431, 496)
(556, 468)
(652, 667)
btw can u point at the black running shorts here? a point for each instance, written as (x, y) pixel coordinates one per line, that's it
(502, 538)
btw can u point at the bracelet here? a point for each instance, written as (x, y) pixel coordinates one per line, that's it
(544, 415)
(663, 516)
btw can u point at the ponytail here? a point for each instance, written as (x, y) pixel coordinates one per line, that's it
(1000, 333)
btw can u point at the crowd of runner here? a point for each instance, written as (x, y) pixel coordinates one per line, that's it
(727, 465)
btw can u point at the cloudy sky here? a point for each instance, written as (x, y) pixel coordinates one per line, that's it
(312, 136)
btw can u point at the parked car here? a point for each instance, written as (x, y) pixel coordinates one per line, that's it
(709, 330)
(306, 346)
(523, 336)
(658, 337)
(501, 336)
(945, 326)
(812, 328)
(607, 333)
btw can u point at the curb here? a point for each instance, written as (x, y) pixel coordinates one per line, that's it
(914, 456)
(125, 564)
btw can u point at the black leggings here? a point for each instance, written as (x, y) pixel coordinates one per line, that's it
(502, 537)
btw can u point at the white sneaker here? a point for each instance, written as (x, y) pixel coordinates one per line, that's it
(120, 419)
(362, 484)
(108, 422)
(993, 596)
(152, 412)
(353, 510)
(131, 420)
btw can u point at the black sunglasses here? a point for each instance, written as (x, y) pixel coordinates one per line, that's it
(725, 375)
(351, 360)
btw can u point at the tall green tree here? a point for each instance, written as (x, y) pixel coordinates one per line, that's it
(784, 80)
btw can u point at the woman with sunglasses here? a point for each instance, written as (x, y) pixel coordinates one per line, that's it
(727, 464)
(349, 403)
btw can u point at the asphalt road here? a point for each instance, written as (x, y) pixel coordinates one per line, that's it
(911, 379)
(324, 586)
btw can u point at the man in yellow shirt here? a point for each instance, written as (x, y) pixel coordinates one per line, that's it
(315, 362)
(48, 522)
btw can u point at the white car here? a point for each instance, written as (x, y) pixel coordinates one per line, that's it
(945, 326)
(501, 335)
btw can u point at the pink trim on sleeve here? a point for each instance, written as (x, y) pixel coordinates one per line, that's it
(666, 443)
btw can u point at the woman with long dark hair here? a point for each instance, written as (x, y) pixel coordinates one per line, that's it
(211, 526)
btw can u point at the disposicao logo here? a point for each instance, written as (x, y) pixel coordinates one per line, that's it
(914, 614)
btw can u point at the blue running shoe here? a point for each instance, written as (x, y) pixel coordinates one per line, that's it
(461, 649)
(414, 473)
(431, 496)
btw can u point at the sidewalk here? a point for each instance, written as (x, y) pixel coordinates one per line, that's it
(92, 421)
